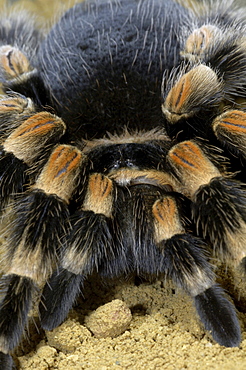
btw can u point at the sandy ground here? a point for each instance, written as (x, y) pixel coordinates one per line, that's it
(164, 332)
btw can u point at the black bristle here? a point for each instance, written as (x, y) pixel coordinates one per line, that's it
(135, 222)
(32, 87)
(145, 155)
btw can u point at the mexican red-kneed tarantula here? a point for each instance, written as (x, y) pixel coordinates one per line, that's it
(114, 133)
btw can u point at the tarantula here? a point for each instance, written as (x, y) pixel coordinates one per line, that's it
(123, 141)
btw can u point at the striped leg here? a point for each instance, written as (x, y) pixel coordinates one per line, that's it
(27, 145)
(218, 202)
(89, 243)
(35, 239)
(185, 262)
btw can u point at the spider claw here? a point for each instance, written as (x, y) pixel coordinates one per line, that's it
(17, 299)
(58, 297)
(218, 315)
(6, 362)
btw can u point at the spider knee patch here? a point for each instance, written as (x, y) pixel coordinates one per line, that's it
(36, 133)
(192, 166)
(230, 129)
(199, 41)
(216, 200)
(99, 196)
(13, 63)
(192, 90)
(22, 148)
(61, 173)
(13, 111)
(167, 221)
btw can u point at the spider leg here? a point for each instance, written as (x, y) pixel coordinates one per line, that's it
(191, 100)
(89, 243)
(185, 262)
(215, 56)
(34, 239)
(18, 70)
(22, 147)
(13, 63)
(223, 48)
(18, 28)
(218, 202)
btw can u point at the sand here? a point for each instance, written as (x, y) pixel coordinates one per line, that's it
(164, 332)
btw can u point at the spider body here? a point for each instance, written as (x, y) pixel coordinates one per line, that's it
(107, 163)
(120, 65)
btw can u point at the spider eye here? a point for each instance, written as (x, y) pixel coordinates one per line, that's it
(122, 163)
(116, 165)
(129, 163)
